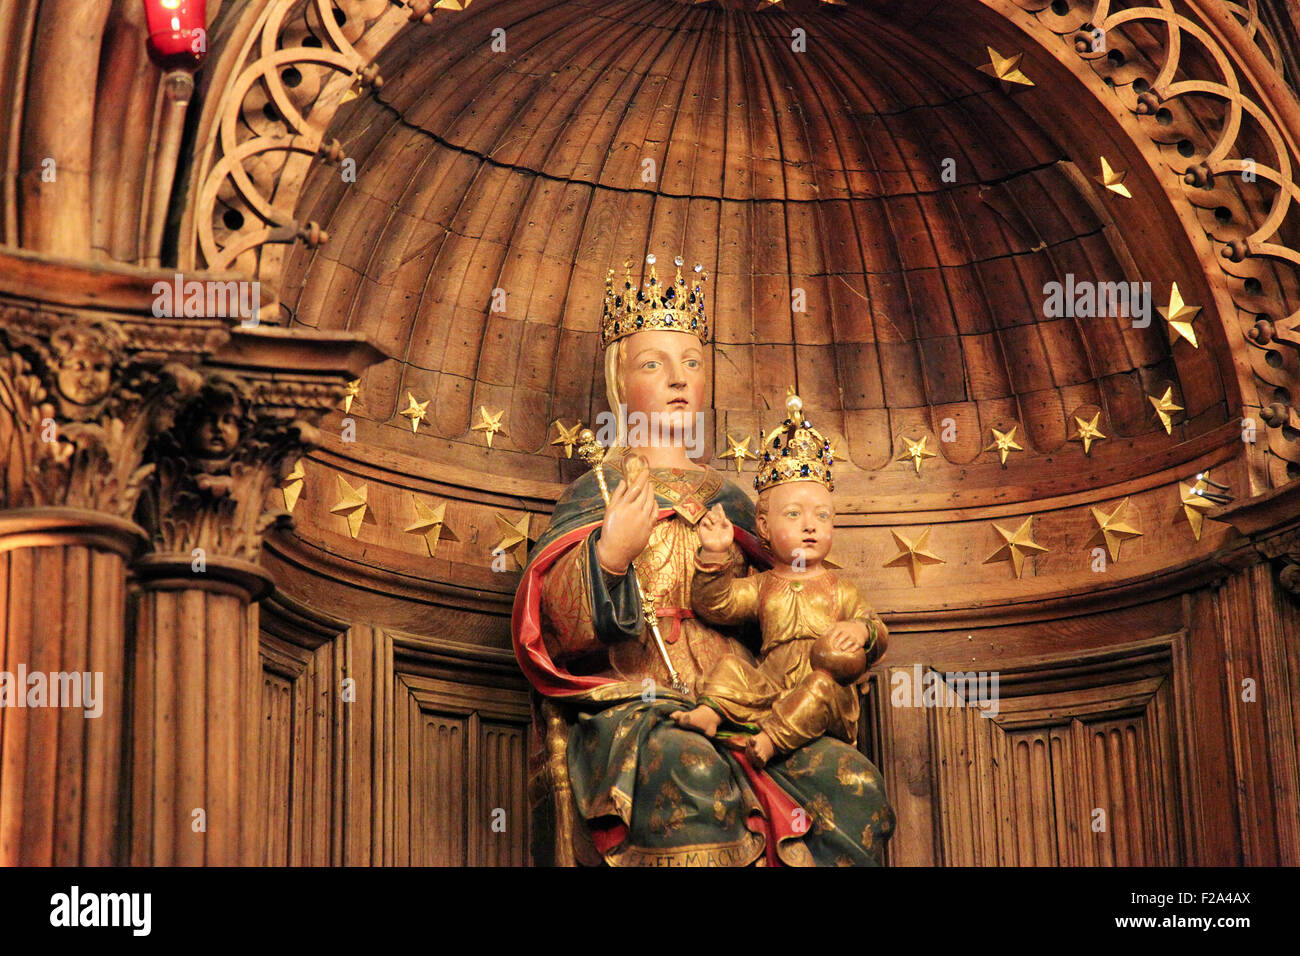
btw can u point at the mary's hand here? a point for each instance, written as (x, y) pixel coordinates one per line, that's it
(629, 519)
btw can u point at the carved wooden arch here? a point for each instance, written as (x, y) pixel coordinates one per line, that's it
(271, 96)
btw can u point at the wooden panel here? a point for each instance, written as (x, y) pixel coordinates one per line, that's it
(1078, 767)
(501, 825)
(276, 756)
(439, 755)
(462, 772)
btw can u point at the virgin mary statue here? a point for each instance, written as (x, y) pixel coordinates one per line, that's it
(614, 780)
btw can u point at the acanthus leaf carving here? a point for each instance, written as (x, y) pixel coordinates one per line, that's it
(78, 404)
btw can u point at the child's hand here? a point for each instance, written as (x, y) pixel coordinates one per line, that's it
(716, 531)
(848, 635)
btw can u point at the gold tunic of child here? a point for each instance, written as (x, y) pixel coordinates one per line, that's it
(782, 695)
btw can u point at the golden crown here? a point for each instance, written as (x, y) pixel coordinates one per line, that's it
(676, 307)
(794, 451)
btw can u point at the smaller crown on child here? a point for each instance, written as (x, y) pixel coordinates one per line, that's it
(794, 451)
(675, 307)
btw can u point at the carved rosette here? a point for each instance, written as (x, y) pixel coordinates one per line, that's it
(81, 395)
(217, 466)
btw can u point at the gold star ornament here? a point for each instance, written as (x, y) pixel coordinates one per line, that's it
(568, 437)
(1113, 179)
(415, 412)
(1004, 443)
(914, 555)
(1005, 69)
(291, 486)
(491, 424)
(1195, 504)
(353, 390)
(1113, 529)
(1088, 432)
(514, 537)
(429, 523)
(1016, 546)
(1179, 315)
(738, 451)
(1165, 408)
(351, 505)
(916, 452)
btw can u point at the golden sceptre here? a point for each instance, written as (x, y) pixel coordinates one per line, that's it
(593, 453)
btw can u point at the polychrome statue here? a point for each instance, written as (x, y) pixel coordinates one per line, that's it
(616, 779)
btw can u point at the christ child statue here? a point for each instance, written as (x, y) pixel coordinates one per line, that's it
(819, 634)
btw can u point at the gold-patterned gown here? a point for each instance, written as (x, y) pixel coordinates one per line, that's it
(643, 790)
(783, 695)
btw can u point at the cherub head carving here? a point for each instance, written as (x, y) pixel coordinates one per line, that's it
(83, 359)
(215, 423)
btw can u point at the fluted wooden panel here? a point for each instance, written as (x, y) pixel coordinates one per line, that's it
(276, 752)
(439, 814)
(1077, 775)
(459, 754)
(502, 761)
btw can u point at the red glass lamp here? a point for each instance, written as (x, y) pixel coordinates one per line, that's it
(178, 38)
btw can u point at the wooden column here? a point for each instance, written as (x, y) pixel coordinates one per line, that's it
(86, 380)
(62, 612)
(197, 693)
(59, 113)
(197, 687)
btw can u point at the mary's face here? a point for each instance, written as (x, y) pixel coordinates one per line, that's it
(663, 372)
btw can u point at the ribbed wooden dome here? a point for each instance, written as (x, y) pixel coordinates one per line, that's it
(608, 130)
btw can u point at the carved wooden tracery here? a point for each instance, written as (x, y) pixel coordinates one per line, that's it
(1224, 124)
(286, 67)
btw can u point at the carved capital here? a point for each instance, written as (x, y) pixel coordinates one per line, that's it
(240, 435)
(82, 394)
(216, 467)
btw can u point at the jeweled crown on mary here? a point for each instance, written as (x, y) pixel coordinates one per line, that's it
(795, 451)
(676, 307)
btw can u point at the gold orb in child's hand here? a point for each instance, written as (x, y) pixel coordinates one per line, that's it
(845, 666)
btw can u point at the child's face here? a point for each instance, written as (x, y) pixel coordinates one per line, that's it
(798, 522)
(217, 433)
